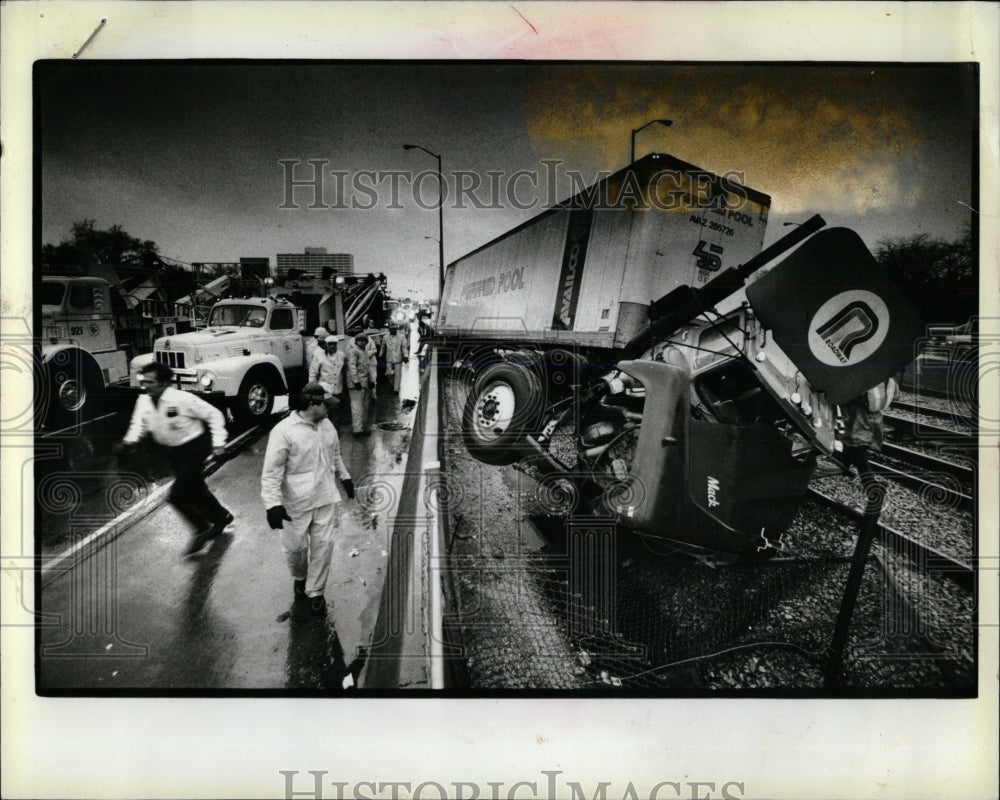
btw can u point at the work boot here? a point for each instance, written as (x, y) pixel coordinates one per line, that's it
(199, 540)
(223, 525)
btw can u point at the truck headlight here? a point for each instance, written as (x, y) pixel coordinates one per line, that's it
(206, 380)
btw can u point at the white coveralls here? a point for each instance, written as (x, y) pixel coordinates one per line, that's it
(395, 349)
(299, 467)
(328, 371)
(361, 374)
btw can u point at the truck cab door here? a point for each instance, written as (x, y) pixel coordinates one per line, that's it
(286, 342)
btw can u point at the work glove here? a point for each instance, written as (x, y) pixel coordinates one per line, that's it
(406, 359)
(356, 386)
(348, 485)
(276, 516)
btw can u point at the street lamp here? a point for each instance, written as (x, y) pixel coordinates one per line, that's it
(440, 212)
(666, 123)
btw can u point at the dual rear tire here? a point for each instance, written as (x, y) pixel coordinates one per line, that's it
(504, 405)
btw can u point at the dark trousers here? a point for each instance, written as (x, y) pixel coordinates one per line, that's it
(189, 494)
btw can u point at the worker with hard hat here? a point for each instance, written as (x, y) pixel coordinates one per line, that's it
(327, 369)
(316, 346)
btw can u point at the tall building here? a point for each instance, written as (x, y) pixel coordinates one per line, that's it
(314, 261)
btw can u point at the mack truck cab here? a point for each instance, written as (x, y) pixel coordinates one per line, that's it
(80, 355)
(251, 351)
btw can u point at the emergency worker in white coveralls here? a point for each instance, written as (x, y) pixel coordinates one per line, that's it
(361, 375)
(327, 369)
(316, 345)
(395, 353)
(300, 494)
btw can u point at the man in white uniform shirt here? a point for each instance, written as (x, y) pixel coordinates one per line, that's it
(298, 488)
(177, 420)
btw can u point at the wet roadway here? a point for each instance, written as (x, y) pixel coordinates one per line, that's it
(133, 614)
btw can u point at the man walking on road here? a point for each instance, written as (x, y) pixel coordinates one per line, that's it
(361, 374)
(395, 352)
(327, 369)
(178, 420)
(298, 488)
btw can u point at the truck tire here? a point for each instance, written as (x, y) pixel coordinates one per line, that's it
(73, 385)
(255, 400)
(503, 406)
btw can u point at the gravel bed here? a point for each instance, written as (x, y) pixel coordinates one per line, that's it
(926, 516)
(675, 624)
(942, 614)
(936, 405)
(936, 421)
(507, 627)
(952, 454)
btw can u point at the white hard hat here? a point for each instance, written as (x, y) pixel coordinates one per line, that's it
(321, 333)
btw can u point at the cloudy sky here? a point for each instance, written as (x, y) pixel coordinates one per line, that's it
(190, 155)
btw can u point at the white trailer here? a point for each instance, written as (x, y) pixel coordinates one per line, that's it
(586, 271)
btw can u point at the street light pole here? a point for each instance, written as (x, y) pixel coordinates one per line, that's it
(666, 123)
(440, 175)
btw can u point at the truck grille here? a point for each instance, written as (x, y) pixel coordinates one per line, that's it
(170, 358)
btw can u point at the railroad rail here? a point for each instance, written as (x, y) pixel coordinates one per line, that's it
(935, 483)
(933, 559)
(960, 417)
(920, 429)
(931, 464)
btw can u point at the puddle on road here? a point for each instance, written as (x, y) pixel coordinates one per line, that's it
(392, 426)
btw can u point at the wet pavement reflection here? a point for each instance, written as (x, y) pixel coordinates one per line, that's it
(131, 612)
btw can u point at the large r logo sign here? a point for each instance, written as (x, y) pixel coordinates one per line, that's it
(848, 328)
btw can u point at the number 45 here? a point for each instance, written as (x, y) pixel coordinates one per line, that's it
(708, 260)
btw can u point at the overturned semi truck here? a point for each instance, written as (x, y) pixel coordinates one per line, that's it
(637, 348)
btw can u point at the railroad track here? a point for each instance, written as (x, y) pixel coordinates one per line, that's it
(932, 559)
(953, 413)
(941, 486)
(965, 473)
(921, 429)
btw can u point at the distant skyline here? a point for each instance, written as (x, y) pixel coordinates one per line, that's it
(197, 156)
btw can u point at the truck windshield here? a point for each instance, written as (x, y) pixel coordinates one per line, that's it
(245, 316)
(52, 294)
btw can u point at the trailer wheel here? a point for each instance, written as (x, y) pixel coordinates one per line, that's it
(255, 400)
(504, 405)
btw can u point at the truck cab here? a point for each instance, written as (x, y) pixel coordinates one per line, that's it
(79, 347)
(251, 351)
